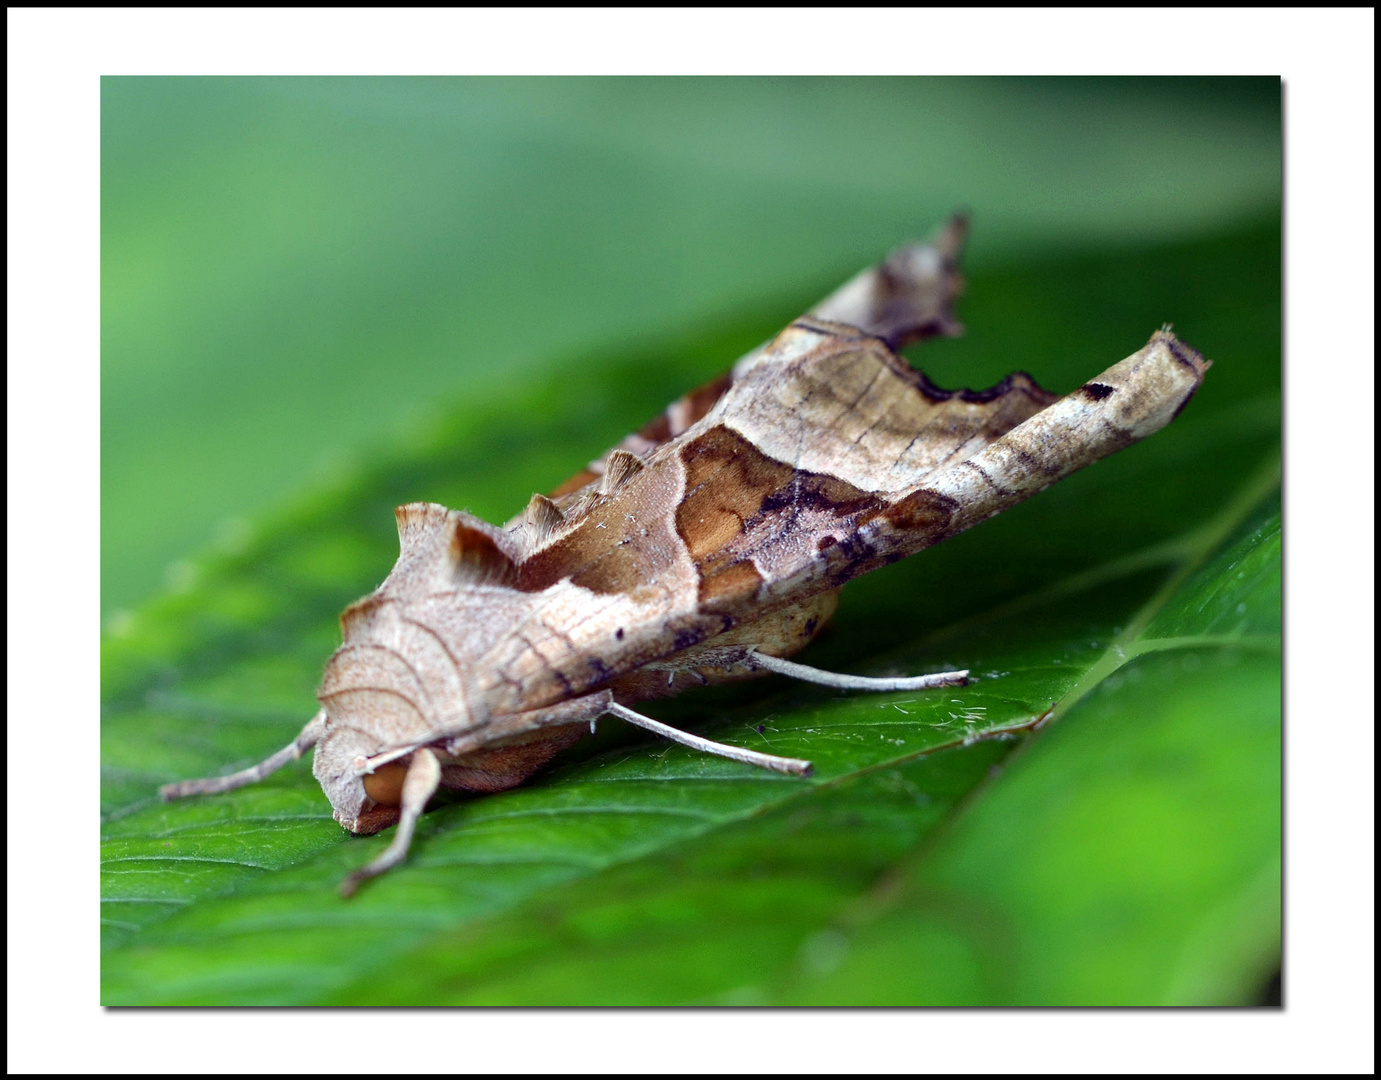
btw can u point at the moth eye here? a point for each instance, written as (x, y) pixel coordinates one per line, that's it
(385, 784)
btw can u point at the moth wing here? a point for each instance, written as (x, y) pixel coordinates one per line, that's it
(827, 458)
(718, 524)
(827, 430)
(832, 457)
(823, 456)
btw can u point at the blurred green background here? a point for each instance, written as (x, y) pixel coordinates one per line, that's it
(298, 270)
(325, 297)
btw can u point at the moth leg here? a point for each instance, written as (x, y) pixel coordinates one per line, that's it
(852, 682)
(795, 766)
(211, 785)
(419, 785)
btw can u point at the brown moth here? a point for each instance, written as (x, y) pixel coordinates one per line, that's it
(708, 546)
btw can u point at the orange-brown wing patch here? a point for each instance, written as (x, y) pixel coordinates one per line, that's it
(742, 508)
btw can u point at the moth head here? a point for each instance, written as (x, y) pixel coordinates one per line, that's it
(395, 682)
(363, 804)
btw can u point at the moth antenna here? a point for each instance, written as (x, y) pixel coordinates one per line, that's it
(620, 468)
(853, 682)
(794, 766)
(542, 517)
(419, 785)
(308, 737)
(478, 559)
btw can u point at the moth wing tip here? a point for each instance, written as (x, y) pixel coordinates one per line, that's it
(1183, 353)
(952, 234)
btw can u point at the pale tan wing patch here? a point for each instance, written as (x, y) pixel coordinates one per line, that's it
(831, 400)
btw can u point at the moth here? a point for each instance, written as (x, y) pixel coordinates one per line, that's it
(708, 546)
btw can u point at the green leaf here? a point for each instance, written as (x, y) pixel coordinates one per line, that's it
(1095, 820)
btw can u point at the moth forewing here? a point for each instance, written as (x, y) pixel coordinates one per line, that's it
(709, 545)
(1131, 400)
